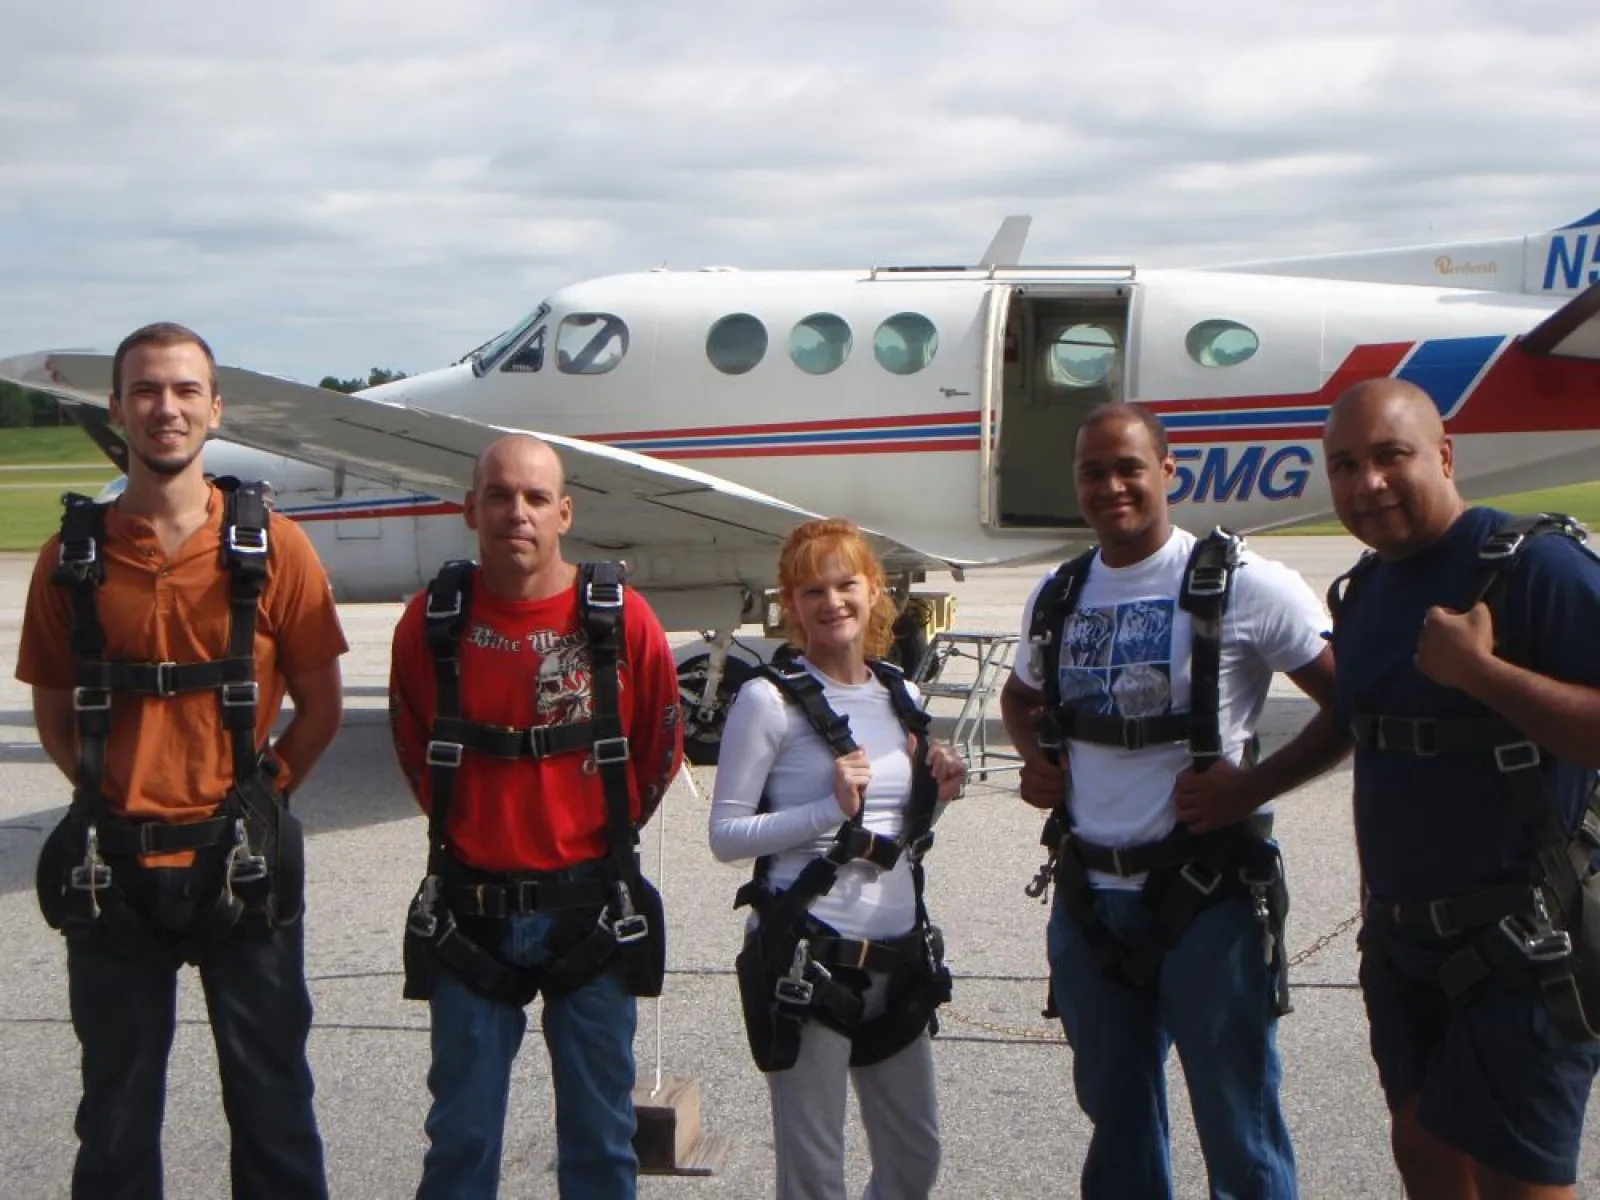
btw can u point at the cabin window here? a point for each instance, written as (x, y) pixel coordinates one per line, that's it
(820, 343)
(736, 343)
(590, 343)
(905, 343)
(1221, 343)
(530, 357)
(1082, 356)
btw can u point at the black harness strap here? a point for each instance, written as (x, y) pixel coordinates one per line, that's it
(1185, 873)
(620, 897)
(233, 848)
(1526, 925)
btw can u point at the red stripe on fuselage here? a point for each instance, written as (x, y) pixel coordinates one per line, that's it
(1531, 393)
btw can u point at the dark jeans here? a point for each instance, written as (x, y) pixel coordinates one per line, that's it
(124, 1012)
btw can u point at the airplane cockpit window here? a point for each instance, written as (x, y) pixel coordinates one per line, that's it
(736, 343)
(820, 343)
(905, 343)
(1221, 343)
(590, 343)
(1082, 356)
(486, 356)
(530, 357)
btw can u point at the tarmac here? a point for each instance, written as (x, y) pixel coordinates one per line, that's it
(1011, 1128)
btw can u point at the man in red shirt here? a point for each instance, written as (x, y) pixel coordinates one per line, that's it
(525, 866)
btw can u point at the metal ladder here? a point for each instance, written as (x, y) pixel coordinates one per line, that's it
(969, 665)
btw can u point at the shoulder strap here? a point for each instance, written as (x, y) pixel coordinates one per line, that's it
(923, 803)
(244, 554)
(801, 689)
(444, 616)
(1504, 548)
(1341, 589)
(1207, 587)
(1057, 600)
(600, 613)
(81, 569)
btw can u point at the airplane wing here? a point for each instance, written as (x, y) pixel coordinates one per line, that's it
(1572, 331)
(623, 499)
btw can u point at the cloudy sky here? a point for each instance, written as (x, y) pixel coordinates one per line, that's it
(329, 185)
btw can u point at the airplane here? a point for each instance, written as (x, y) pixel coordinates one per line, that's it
(702, 414)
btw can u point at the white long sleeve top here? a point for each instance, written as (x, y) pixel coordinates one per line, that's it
(769, 749)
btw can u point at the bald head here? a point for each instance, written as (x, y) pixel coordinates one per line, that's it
(1391, 467)
(518, 448)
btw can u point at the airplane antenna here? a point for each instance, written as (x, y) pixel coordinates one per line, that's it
(1005, 250)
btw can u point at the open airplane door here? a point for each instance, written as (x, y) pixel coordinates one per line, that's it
(999, 343)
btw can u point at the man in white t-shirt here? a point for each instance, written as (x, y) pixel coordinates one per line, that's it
(1159, 795)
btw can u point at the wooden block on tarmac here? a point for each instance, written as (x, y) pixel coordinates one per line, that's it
(668, 1139)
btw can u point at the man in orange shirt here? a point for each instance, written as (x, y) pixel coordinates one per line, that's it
(161, 634)
(535, 708)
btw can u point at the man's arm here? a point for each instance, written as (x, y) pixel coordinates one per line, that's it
(58, 727)
(656, 730)
(318, 696)
(411, 685)
(1041, 782)
(1224, 794)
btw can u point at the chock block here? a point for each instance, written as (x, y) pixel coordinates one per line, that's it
(668, 1137)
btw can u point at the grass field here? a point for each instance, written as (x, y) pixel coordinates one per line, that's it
(30, 499)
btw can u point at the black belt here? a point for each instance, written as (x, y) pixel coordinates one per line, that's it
(1130, 733)
(517, 898)
(165, 678)
(1178, 847)
(883, 955)
(451, 734)
(119, 835)
(1445, 918)
(1426, 737)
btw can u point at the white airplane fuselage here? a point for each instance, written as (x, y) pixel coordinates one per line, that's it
(962, 447)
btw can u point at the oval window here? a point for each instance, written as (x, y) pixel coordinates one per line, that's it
(1221, 343)
(820, 343)
(590, 343)
(1082, 356)
(905, 343)
(736, 343)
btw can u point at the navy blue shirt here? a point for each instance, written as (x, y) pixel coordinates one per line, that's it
(1446, 825)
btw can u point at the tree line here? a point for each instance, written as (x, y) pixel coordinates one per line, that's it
(22, 407)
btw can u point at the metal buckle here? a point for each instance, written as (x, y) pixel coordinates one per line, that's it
(1441, 926)
(78, 554)
(602, 595)
(630, 928)
(1190, 873)
(1425, 746)
(606, 751)
(420, 920)
(1536, 945)
(432, 613)
(1516, 756)
(247, 539)
(789, 990)
(444, 754)
(91, 875)
(240, 695)
(244, 867)
(1132, 733)
(86, 699)
(1500, 546)
(538, 741)
(861, 957)
(1208, 581)
(1116, 865)
(165, 685)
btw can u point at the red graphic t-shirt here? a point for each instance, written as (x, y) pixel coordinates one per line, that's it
(526, 662)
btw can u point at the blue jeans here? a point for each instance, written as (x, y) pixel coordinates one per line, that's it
(1213, 999)
(589, 1033)
(124, 1012)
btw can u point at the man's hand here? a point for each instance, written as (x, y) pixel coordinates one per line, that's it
(1452, 645)
(1219, 796)
(1042, 782)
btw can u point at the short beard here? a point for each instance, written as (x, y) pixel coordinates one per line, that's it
(166, 466)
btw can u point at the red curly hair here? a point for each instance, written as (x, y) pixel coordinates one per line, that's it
(804, 553)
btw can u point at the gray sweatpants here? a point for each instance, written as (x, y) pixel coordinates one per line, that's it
(899, 1108)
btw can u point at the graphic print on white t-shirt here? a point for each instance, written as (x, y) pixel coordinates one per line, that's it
(1117, 660)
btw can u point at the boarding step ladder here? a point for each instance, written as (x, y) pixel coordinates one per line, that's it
(969, 665)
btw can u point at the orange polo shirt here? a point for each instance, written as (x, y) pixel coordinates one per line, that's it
(169, 757)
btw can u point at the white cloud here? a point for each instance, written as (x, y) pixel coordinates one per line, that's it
(329, 185)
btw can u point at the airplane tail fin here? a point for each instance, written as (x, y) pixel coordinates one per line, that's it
(1005, 249)
(1559, 262)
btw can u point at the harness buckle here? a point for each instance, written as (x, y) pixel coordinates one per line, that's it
(244, 867)
(1190, 872)
(602, 595)
(444, 754)
(1208, 581)
(86, 699)
(1498, 547)
(240, 695)
(440, 614)
(794, 988)
(166, 681)
(630, 929)
(1515, 756)
(1540, 945)
(606, 751)
(78, 555)
(247, 539)
(1132, 733)
(1425, 739)
(1438, 918)
(538, 741)
(91, 875)
(420, 920)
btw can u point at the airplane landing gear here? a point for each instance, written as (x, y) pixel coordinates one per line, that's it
(707, 684)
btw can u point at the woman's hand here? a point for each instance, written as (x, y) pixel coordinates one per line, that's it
(949, 770)
(850, 777)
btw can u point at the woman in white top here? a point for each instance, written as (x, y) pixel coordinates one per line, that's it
(837, 612)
